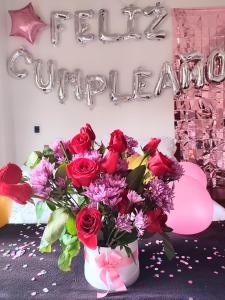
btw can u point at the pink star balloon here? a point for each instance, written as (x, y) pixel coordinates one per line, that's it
(25, 23)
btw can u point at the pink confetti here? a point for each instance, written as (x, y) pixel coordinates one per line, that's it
(190, 281)
(43, 272)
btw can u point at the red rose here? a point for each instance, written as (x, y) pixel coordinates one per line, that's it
(20, 192)
(88, 129)
(156, 220)
(109, 163)
(160, 164)
(117, 142)
(80, 143)
(88, 223)
(124, 207)
(82, 171)
(10, 186)
(151, 146)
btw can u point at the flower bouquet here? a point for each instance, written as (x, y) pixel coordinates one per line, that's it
(103, 197)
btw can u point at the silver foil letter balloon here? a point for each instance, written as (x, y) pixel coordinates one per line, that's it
(140, 78)
(115, 97)
(49, 84)
(56, 25)
(63, 76)
(196, 74)
(216, 66)
(103, 35)
(75, 80)
(167, 78)
(94, 84)
(81, 25)
(159, 13)
(12, 63)
(132, 12)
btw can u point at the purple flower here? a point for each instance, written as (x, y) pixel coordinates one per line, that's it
(124, 223)
(60, 182)
(122, 166)
(93, 155)
(134, 197)
(161, 193)
(39, 178)
(58, 151)
(140, 222)
(131, 144)
(107, 189)
(177, 171)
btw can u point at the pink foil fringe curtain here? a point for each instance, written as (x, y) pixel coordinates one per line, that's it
(200, 113)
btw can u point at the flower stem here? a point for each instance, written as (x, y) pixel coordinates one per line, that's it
(64, 151)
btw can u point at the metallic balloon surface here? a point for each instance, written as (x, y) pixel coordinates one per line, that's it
(26, 23)
(199, 113)
(103, 34)
(132, 12)
(196, 74)
(82, 27)
(140, 83)
(159, 13)
(216, 66)
(63, 83)
(115, 97)
(167, 78)
(12, 63)
(56, 25)
(47, 86)
(94, 84)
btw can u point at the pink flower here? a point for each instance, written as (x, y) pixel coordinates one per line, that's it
(134, 197)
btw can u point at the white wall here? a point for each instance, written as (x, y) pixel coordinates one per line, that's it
(22, 105)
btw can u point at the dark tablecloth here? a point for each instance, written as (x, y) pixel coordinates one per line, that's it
(197, 272)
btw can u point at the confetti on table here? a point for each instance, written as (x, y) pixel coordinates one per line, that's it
(45, 290)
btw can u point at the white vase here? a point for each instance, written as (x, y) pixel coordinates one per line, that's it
(127, 268)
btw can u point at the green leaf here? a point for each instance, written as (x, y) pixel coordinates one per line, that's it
(48, 153)
(34, 159)
(71, 246)
(39, 209)
(168, 247)
(81, 201)
(61, 171)
(70, 225)
(55, 226)
(45, 247)
(64, 261)
(50, 205)
(135, 177)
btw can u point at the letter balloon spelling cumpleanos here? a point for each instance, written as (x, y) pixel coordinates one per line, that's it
(115, 96)
(47, 86)
(216, 66)
(12, 63)
(56, 25)
(197, 74)
(167, 78)
(140, 83)
(73, 79)
(94, 84)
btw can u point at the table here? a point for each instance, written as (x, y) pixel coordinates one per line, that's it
(197, 272)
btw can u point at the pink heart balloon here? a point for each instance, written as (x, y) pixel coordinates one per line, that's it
(193, 207)
(194, 171)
